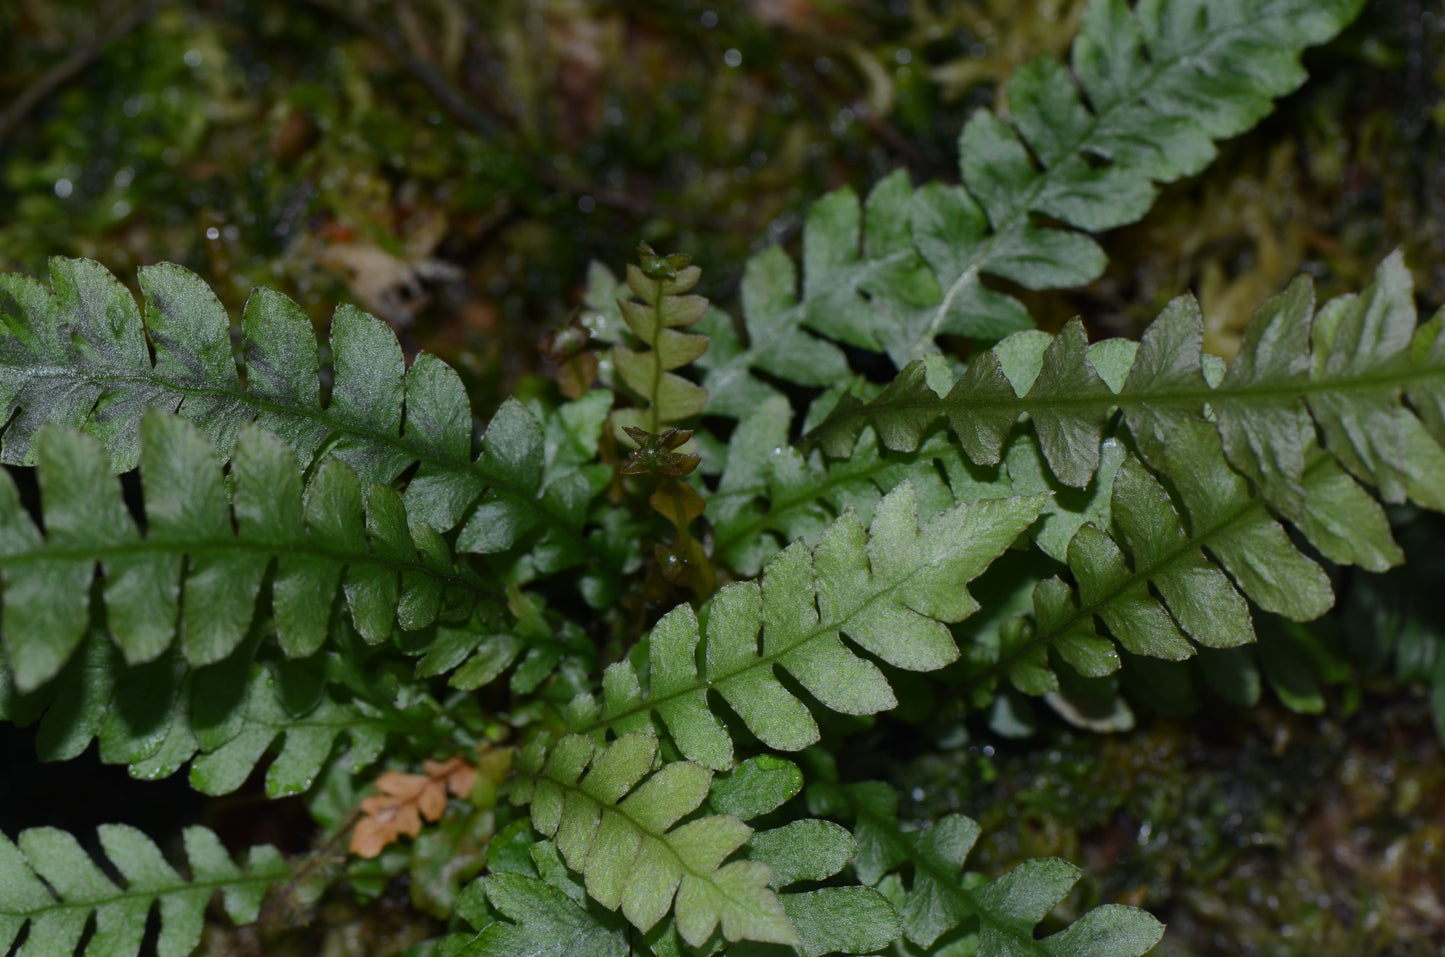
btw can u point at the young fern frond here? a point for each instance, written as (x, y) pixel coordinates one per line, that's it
(77, 354)
(53, 887)
(661, 282)
(196, 574)
(938, 899)
(889, 589)
(1162, 83)
(619, 832)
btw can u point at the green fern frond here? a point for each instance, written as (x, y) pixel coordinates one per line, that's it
(196, 573)
(889, 589)
(474, 655)
(1169, 593)
(53, 887)
(846, 919)
(1346, 373)
(617, 830)
(1148, 93)
(77, 354)
(771, 493)
(223, 719)
(539, 920)
(939, 898)
(777, 343)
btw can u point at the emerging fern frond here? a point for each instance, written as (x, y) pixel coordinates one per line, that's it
(660, 282)
(889, 589)
(54, 887)
(617, 830)
(197, 571)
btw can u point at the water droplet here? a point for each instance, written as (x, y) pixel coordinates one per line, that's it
(733, 57)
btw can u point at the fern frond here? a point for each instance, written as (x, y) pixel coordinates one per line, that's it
(777, 343)
(939, 898)
(661, 283)
(223, 719)
(53, 887)
(1169, 589)
(196, 573)
(474, 654)
(1149, 92)
(617, 830)
(1346, 373)
(76, 354)
(847, 919)
(770, 493)
(889, 589)
(540, 920)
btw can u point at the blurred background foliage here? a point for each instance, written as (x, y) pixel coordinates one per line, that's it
(454, 165)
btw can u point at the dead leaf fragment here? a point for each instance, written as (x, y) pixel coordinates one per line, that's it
(406, 799)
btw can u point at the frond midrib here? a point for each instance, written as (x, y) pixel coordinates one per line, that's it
(130, 893)
(1187, 399)
(222, 546)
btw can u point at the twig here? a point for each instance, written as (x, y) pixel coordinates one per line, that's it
(307, 867)
(60, 74)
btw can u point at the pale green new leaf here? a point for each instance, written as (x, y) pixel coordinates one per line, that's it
(52, 885)
(613, 815)
(889, 589)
